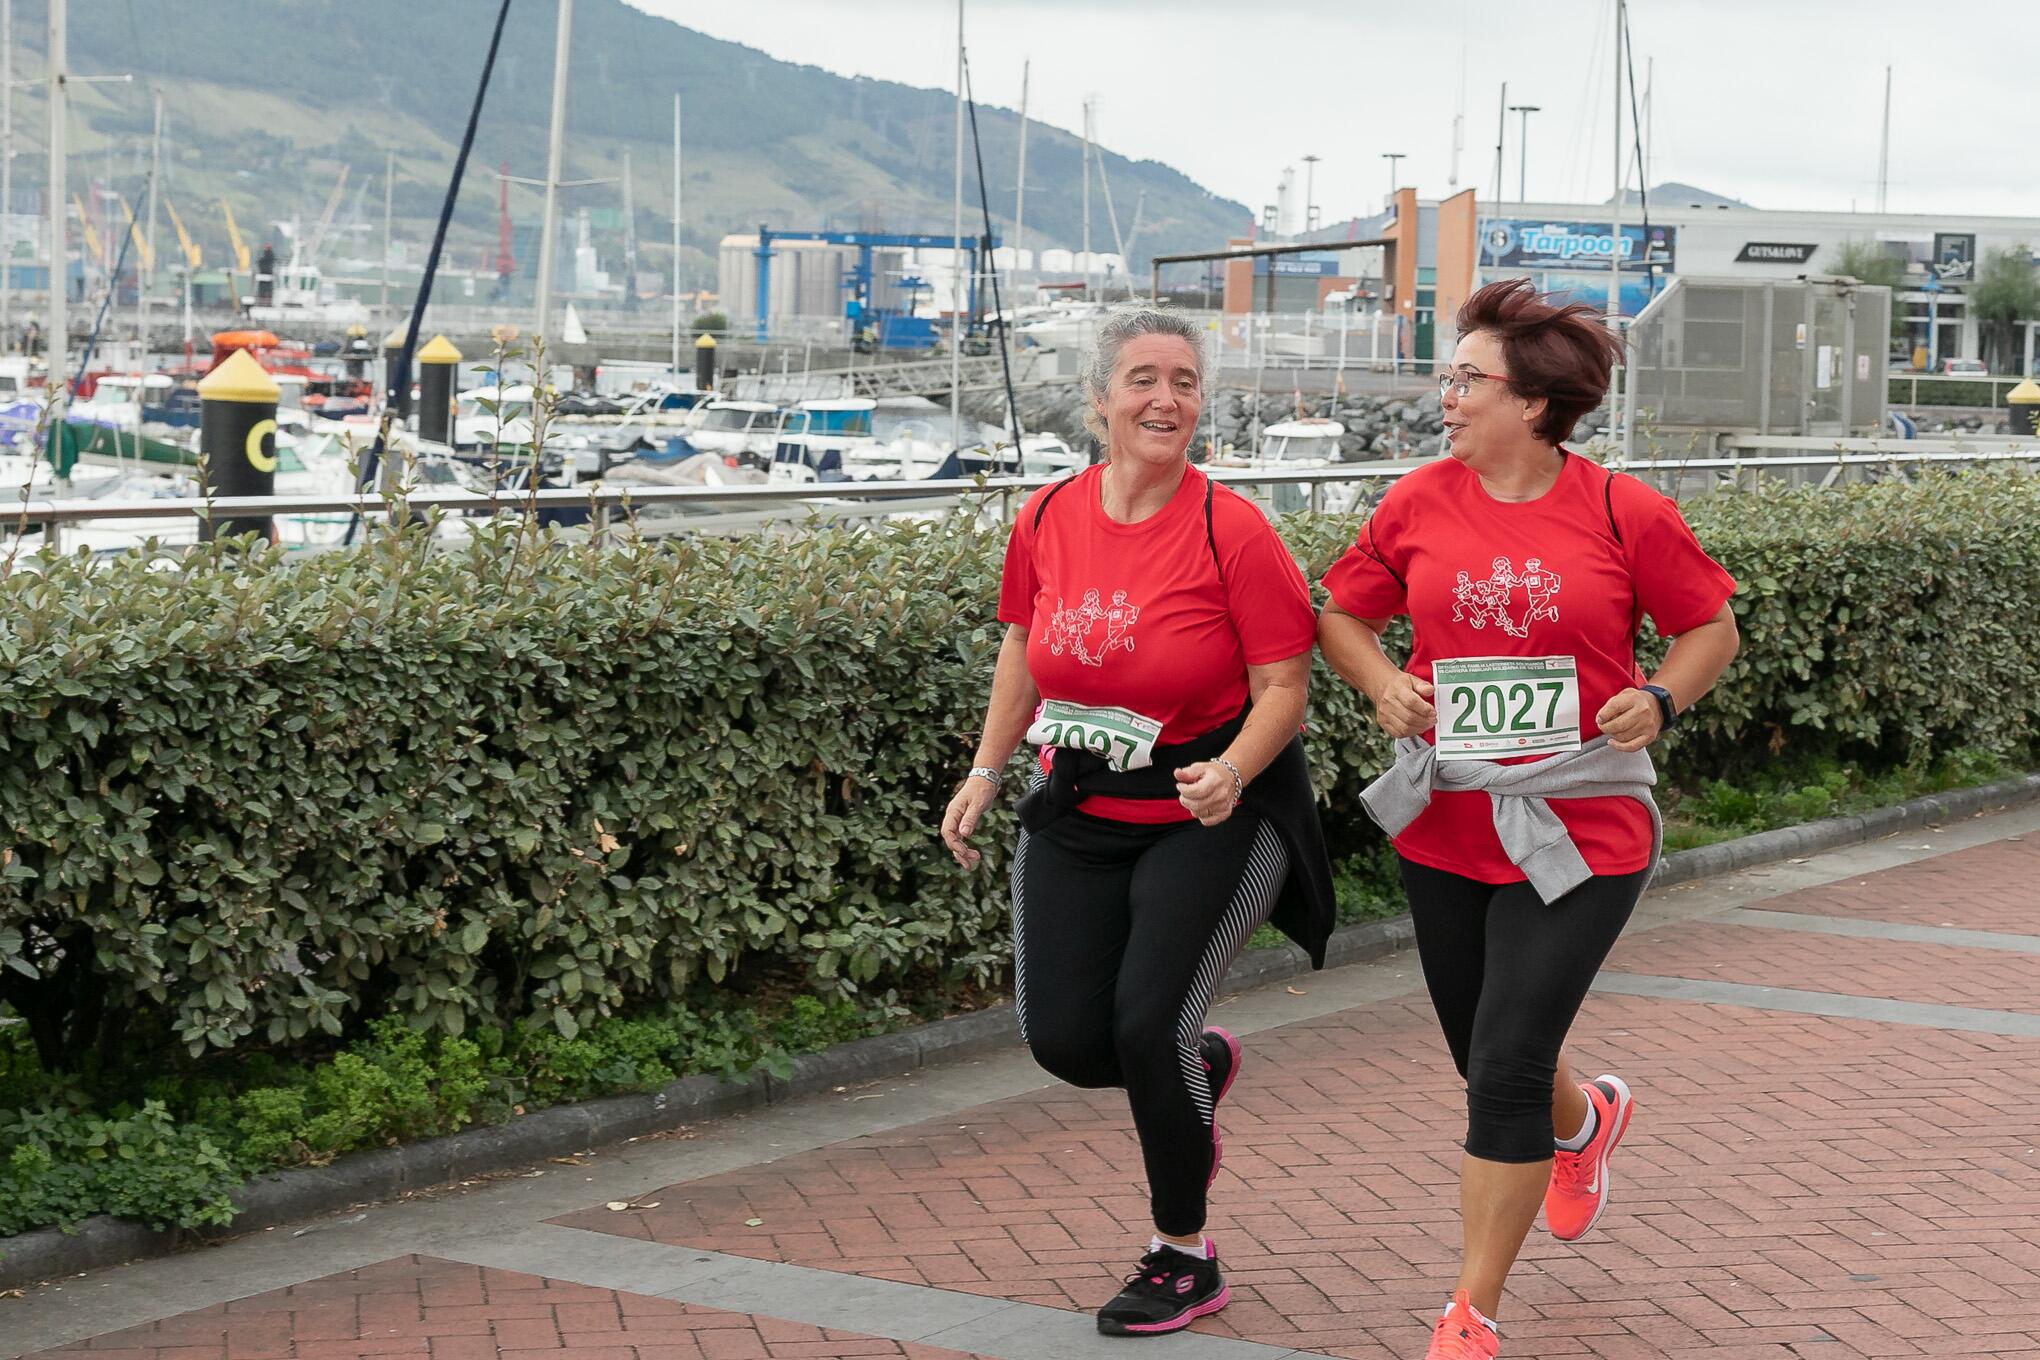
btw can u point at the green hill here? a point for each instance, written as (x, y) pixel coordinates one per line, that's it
(265, 103)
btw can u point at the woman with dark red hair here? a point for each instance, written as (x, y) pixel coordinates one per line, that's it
(1520, 801)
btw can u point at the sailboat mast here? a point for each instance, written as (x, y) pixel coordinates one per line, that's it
(1459, 116)
(1884, 147)
(562, 40)
(1087, 200)
(676, 236)
(6, 170)
(145, 271)
(382, 308)
(1501, 142)
(1020, 190)
(1615, 244)
(58, 362)
(956, 261)
(629, 238)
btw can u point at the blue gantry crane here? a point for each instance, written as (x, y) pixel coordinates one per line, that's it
(891, 329)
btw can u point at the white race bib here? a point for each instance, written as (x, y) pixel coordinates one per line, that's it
(1495, 706)
(1123, 737)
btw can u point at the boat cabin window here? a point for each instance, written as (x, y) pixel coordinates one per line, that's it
(1298, 448)
(850, 422)
(730, 418)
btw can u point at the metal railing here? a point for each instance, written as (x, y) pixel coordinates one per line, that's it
(736, 508)
(891, 378)
(1944, 389)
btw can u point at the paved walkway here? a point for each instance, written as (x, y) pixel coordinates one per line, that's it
(1834, 1155)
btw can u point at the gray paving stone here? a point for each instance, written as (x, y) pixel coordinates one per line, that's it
(1815, 924)
(1840, 1005)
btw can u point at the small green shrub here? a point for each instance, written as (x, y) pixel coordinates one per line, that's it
(59, 1165)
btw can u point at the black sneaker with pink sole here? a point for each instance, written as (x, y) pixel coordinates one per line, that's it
(1170, 1290)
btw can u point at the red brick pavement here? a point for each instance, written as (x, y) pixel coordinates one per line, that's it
(442, 1310)
(1989, 887)
(1932, 974)
(1794, 1186)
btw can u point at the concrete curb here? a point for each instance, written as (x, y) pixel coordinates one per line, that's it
(384, 1173)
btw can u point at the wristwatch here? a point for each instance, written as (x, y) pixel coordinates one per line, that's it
(1668, 709)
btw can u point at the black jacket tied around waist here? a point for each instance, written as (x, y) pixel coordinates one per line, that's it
(1282, 794)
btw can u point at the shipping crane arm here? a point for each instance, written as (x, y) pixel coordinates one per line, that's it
(142, 246)
(234, 238)
(194, 258)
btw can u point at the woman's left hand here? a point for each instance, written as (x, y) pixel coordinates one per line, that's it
(1206, 788)
(1630, 720)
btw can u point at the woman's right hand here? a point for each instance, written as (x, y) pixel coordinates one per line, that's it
(1403, 707)
(968, 806)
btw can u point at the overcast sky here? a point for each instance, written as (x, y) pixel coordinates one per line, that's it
(1776, 102)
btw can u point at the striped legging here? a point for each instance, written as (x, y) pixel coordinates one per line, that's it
(1121, 932)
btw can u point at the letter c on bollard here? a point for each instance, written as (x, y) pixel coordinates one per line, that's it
(257, 459)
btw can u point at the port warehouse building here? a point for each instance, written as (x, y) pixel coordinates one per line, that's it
(1422, 257)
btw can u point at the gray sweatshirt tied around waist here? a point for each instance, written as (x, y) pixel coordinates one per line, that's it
(1532, 836)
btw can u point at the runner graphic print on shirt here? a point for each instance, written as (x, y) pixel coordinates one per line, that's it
(1495, 599)
(1076, 631)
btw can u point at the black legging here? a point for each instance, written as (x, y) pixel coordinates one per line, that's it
(1120, 934)
(1506, 1024)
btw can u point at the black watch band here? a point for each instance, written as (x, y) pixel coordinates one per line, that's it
(1668, 709)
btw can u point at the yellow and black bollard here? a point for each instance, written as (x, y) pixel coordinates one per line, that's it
(357, 353)
(437, 364)
(399, 403)
(2025, 403)
(704, 363)
(237, 434)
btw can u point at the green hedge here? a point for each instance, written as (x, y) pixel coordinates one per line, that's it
(1927, 389)
(251, 804)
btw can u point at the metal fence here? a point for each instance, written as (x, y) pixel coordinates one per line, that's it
(740, 509)
(1938, 389)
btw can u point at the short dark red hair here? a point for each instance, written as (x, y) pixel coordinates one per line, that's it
(1562, 352)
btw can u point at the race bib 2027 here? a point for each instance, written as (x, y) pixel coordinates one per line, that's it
(1495, 706)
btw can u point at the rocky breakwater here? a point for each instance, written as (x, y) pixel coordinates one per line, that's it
(1376, 426)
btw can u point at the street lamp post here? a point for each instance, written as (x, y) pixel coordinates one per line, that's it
(1523, 149)
(1392, 157)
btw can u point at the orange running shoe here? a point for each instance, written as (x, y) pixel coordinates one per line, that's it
(1579, 1180)
(1462, 1333)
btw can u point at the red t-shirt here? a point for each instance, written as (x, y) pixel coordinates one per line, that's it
(1482, 577)
(1136, 615)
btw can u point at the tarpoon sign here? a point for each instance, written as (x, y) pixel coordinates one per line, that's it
(1518, 243)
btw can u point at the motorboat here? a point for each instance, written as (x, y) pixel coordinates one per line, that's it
(745, 430)
(1061, 325)
(821, 439)
(1292, 445)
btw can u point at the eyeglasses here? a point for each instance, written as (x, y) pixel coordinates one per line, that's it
(1462, 382)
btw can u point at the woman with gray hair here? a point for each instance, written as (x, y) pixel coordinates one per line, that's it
(1158, 644)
